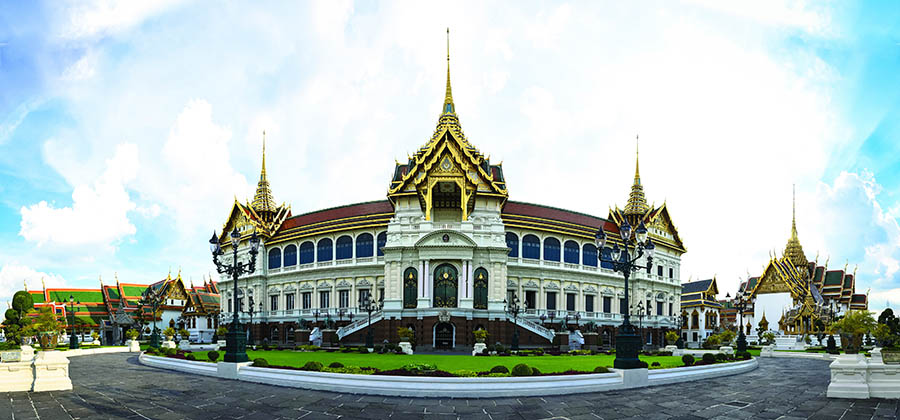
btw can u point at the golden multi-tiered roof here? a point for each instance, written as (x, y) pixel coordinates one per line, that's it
(450, 160)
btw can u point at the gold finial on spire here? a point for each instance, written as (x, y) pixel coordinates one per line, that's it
(25, 285)
(637, 203)
(263, 201)
(449, 108)
(42, 283)
(793, 250)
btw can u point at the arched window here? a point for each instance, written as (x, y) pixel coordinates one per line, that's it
(589, 255)
(512, 242)
(551, 249)
(381, 240)
(364, 245)
(323, 251)
(344, 248)
(570, 252)
(274, 258)
(307, 252)
(290, 255)
(531, 247)
(481, 288)
(275, 334)
(410, 287)
(605, 258)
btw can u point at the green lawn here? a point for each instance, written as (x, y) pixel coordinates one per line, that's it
(546, 364)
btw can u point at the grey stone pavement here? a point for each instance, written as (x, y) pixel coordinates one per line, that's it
(116, 386)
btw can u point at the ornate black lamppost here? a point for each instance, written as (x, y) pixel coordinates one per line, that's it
(740, 304)
(152, 298)
(552, 315)
(627, 342)
(73, 339)
(679, 322)
(369, 306)
(316, 317)
(235, 340)
(250, 312)
(577, 318)
(513, 308)
(831, 347)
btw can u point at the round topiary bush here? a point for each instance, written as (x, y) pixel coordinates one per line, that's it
(721, 357)
(362, 350)
(260, 362)
(499, 369)
(655, 364)
(687, 359)
(212, 356)
(535, 371)
(313, 366)
(643, 364)
(190, 356)
(336, 365)
(522, 370)
(709, 358)
(601, 369)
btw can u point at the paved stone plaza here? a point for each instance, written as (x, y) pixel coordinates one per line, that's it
(116, 386)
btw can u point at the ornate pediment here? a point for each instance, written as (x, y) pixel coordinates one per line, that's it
(363, 283)
(289, 288)
(531, 284)
(572, 287)
(445, 238)
(551, 286)
(324, 283)
(590, 289)
(344, 284)
(306, 286)
(511, 284)
(274, 290)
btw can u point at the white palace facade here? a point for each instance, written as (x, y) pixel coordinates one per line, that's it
(444, 253)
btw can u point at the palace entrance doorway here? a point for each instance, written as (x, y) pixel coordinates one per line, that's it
(444, 336)
(445, 283)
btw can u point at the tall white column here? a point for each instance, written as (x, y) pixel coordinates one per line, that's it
(428, 287)
(470, 291)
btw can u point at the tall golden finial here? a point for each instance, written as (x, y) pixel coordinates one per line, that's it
(449, 108)
(42, 284)
(263, 174)
(637, 202)
(794, 211)
(263, 201)
(25, 285)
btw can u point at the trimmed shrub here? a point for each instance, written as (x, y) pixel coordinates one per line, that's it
(346, 349)
(721, 357)
(265, 346)
(687, 359)
(190, 356)
(499, 369)
(378, 349)
(601, 369)
(709, 358)
(212, 355)
(313, 366)
(743, 355)
(170, 352)
(260, 362)
(362, 350)
(522, 370)
(336, 365)
(655, 364)
(535, 371)
(643, 364)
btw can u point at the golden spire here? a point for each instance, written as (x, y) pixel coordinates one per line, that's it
(637, 203)
(793, 250)
(448, 108)
(263, 201)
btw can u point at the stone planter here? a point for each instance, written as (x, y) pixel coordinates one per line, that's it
(889, 356)
(133, 345)
(849, 377)
(51, 372)
(479, 347)
(726, 350)
(406, 347)
(168, 344)
(184, 345)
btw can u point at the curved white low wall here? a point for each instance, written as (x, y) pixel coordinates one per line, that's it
(417, 386)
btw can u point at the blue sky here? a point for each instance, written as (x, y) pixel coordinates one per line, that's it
(128, 128)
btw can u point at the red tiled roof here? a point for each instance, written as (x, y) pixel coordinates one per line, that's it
(552, 213)
(352, 210)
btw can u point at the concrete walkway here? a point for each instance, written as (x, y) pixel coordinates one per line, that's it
(115, 386)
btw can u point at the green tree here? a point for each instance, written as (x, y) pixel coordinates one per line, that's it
(854, 326)
(17, 323)
(46, 326)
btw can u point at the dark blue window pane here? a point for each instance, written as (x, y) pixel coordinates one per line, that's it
(364, 245)
(512, 242)
(551, 249)
(344, 248)
(290, 255)
(605, 258)
(531, 247)
(381, 239)
(274, 258)
(307, 252)
(570, 252)
(323, 251)
(589, 255)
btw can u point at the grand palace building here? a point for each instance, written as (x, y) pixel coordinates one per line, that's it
(446, 253)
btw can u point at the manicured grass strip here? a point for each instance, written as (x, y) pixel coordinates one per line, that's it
(450, 363)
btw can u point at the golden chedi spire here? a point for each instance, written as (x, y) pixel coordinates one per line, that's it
(637, 203)
(448, 118)
(448, 96)
(793, 250)
(263, 202)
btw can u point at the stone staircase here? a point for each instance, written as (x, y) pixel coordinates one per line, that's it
(532, 326)
(359, 324)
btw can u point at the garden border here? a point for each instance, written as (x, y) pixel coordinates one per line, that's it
(480, 387)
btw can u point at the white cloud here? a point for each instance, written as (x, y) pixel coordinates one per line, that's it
(13, 277)
(98, 214)
(84, 68)
(85, 19)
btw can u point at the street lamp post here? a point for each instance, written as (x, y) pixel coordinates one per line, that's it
(543, 318)
(831, 347)
(250, 312)
(152, 298)
(368, 305)
(740, 304)
(73, 339)
(640, 311)
(513, 308)
(627, 342)
(235, 340)
(679, 324)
